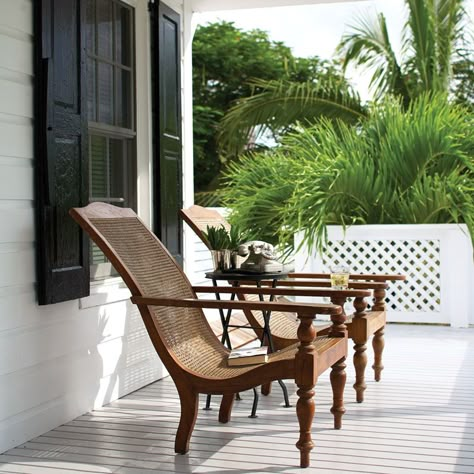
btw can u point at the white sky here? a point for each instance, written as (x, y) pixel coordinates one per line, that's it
(315, 30)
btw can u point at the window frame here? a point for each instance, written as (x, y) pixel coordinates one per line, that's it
(101, 271)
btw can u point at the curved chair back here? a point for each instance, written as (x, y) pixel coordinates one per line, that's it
(198, 218)
(181, 336)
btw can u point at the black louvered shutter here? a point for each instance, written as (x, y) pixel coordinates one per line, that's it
(61, 150)
(167, 161)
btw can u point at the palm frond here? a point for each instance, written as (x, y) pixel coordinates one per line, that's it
(256, 189)
(451, 30)
(419, 38)
(277, 105)
(438, 199)
(368, 45)
(208, 198)
(397, 166)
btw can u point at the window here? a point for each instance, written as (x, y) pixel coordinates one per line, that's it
(110, 110)
(92, 85)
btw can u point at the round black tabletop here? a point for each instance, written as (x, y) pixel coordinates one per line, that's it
(235, 275)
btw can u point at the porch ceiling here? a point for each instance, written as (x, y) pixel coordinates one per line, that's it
(215, 5)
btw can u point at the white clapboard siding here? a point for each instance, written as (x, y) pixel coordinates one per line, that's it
(12, 175)
(16, 139)
(20, 217)
(71, 335)
(15, 98)
(56, 361)
(16, 17)
(15, 306)
(16, 264)
(418, 418)
(78, 372)
(22, 61)
(201, 262)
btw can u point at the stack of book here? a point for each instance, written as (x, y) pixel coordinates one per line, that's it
(255, 355)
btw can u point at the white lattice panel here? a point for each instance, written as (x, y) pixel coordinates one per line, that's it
(419, 260)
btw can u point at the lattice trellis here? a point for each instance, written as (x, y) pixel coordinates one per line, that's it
(419, 260)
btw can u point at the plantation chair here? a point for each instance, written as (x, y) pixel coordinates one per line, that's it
(361, 325)
(194, 357)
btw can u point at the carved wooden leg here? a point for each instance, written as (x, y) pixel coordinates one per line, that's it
(226, 408)
(378, 343)
(360, 363)
(266, 388)
(306, 375)
(305, 413)
(338, 382)
(189, 410)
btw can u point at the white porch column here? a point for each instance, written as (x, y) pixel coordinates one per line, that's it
(189, 27)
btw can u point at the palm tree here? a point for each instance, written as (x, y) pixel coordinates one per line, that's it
(431, 39)
(399, 166)
(276, 106)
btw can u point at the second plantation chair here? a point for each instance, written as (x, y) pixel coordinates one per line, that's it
(362, 325)
(185, 343)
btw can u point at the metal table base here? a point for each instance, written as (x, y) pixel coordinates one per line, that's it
(266, 333)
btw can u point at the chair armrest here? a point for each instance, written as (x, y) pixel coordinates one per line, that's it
(300, 308)
(280, 291)
(318, 283)
(372, 281)
(352, 276)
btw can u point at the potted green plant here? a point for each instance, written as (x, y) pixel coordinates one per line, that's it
(236, 237)
(218, 240)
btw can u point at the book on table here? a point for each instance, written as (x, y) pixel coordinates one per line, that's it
(254, 355)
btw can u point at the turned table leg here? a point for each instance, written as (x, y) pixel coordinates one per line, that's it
(305, 378)
(360, 363)
(360, 348)
(378, 343)
(305, 412)
(338, 382)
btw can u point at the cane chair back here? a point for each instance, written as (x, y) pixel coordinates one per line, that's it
(149, 270)
(284, 326)
(195, 358)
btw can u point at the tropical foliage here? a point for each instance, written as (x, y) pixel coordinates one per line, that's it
(275, 107)
(436, 57)
(432, 38)
(217, 238)
(225, 61)
(400, 165)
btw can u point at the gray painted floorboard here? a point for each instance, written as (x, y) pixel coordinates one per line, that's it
(418, 419)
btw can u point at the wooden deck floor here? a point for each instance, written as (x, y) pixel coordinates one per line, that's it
(419, 419)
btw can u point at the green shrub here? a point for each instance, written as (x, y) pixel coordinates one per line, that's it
(398, 166)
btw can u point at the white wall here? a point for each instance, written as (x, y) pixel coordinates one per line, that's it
(57, 361)
(437, 260)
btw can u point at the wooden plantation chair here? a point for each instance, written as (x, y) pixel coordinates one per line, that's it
(194, 357)
(361, 325)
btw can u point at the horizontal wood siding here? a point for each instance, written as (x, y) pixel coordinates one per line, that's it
(201, 262)
(57, 361)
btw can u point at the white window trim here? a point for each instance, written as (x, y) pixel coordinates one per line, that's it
(113, 289)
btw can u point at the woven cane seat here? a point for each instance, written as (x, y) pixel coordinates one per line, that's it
(194, 357)
(184, 330)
